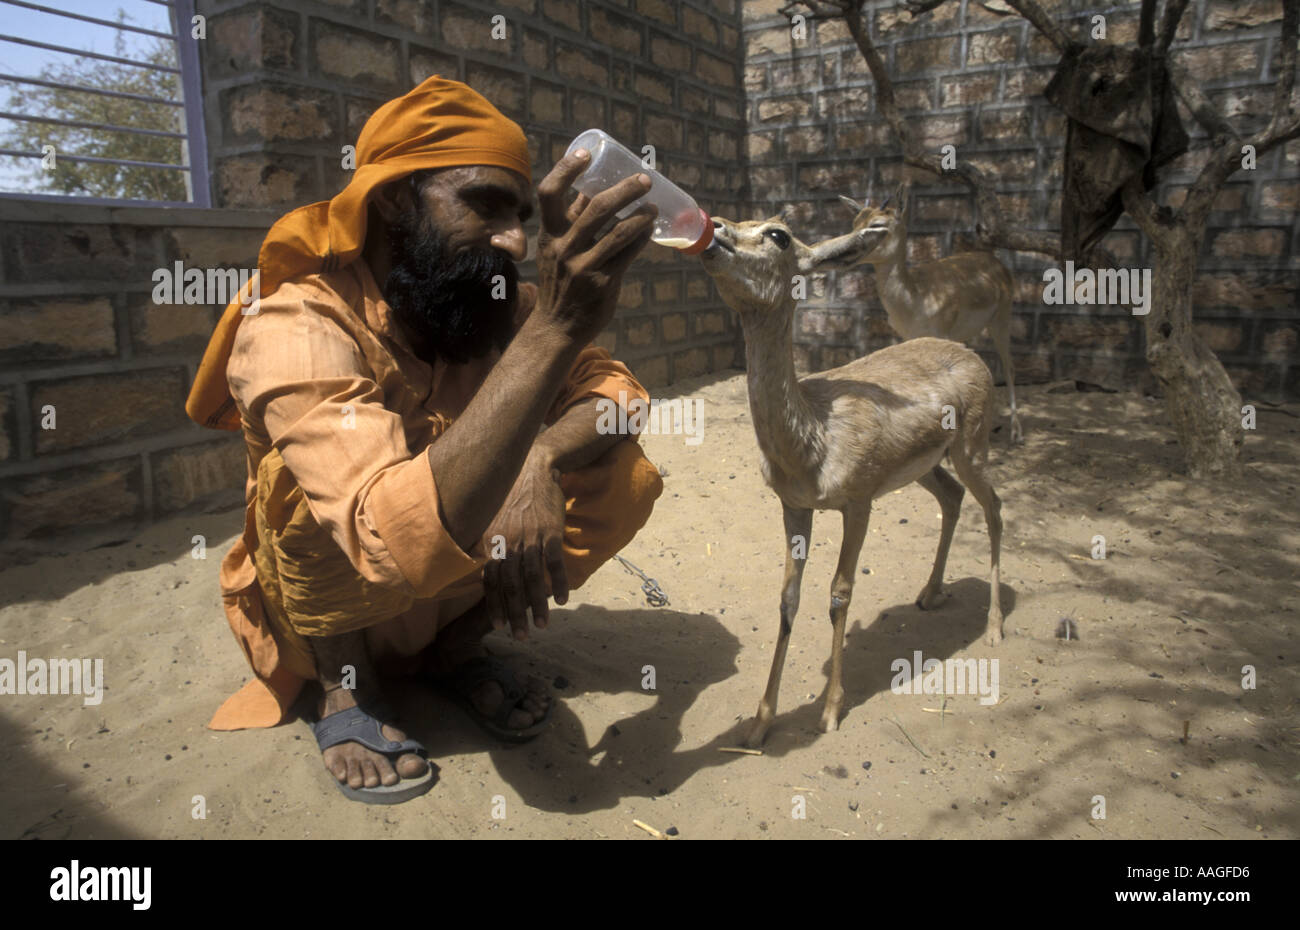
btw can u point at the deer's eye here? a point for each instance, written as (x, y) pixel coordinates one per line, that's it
(779, 237)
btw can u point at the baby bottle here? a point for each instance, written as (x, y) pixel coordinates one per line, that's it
(681, 224)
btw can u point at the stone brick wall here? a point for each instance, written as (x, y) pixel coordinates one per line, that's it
(290, 82)
(743, 120)
(967, 76)
(287, 84)
(94, 374)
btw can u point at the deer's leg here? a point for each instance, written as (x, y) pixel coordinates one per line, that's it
(1001, 333)
(972, 476)
(948, 492)
(855, 531)
(798, 540)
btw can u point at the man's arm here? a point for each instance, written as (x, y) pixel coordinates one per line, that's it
(573, 441)
(477, 460)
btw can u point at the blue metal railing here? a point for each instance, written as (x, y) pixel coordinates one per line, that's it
(193, 147)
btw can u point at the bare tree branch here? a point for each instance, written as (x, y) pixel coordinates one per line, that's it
(1286, 80)
(885, 101)
(1169, 25)
(1045, 24)
(1283, 127)
(917, 7)
(1150, 217)
(1225, 161)
(1147, 25)
(1202, 109)
(816, 10)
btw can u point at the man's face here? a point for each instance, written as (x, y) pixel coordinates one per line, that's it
(453, 280)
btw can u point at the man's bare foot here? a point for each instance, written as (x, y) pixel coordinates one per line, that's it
(354, 764)
(487, 695)
(462, 642)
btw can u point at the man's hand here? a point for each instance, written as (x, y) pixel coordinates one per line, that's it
(531, 521)
(579, 276)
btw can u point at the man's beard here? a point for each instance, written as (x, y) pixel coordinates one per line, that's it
(448, 300)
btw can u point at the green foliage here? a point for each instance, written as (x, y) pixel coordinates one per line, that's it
(89, 178)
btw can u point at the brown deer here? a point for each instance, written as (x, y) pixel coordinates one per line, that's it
(956, 298)
(838, 439)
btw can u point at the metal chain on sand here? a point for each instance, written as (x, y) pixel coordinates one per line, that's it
(654, 594)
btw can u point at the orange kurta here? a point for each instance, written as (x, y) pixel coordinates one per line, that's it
(321, 373)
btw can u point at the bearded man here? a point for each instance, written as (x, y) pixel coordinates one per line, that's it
(424, 462)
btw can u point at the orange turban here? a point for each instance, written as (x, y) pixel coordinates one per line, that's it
(439, 124)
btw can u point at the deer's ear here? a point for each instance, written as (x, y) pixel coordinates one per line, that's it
(840, 252)
(853, 203)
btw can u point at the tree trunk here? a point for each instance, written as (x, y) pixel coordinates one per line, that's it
(1202, 403)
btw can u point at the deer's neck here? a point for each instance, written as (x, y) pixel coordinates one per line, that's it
(897, 288)
(895, 276)
(789, 431)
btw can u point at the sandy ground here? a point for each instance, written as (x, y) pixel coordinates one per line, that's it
(1200, 580)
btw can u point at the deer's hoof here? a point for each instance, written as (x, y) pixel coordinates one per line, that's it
(931, 597)
(994, 635)
(757, 732)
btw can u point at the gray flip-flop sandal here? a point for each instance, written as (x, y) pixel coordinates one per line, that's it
(355, 725)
